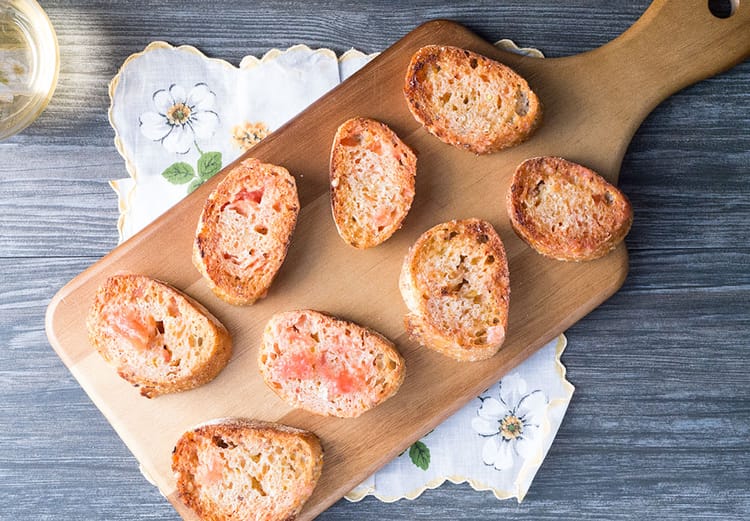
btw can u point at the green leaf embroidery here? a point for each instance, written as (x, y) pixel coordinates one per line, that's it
(420, 455)
(195, 184)
(179, 173)
(209, 164)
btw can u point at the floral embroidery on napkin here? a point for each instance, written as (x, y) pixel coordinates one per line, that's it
(181, 118)
(510, 423)
(249, 134)
(419, 454)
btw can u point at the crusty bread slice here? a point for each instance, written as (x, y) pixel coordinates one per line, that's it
(244, 231)
(469, 100)
(158, 338)
(372, 181)
(246, 470)
(565, 211)
(328, 366)
(455, 282)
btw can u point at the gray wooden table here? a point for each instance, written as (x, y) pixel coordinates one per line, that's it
(659, 426)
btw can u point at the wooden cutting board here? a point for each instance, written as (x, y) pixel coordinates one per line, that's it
(593, 104)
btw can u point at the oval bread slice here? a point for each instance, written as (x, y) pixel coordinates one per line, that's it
(469, 100)
(455, 282)
(372, 181)
(158, 338)
(244, 231)
(328, 366)
(245, 470)
(565, 211)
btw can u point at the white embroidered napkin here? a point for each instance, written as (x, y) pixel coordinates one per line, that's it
(180, 116)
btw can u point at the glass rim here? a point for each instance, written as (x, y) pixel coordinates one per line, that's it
(28, 114)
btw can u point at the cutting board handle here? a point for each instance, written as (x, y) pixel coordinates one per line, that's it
(674, 44)
(601, 97)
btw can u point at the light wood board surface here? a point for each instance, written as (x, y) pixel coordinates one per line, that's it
(660, 368)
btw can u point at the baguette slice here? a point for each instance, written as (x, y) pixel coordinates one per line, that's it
(244, 231)
(158, 338)
(455, 282)
(244, 470)
(470, 101)
(328, 366)
(566, 211)
(372, 181)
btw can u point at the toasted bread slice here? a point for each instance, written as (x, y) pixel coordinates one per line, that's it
(372, 181)
(566, 211)
(469, 100)
(158, 338)
(244, 231)
(455, 283)
(328, 366)
(246, 470)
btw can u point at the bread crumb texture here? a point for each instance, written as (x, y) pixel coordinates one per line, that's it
(456, 285)
(245, 229)
(246, 470)
(157, 338)
(470, 101)
(328, 366)
(566, 211)
(372, 174)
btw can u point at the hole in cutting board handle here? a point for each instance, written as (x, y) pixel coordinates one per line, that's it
(723, 8)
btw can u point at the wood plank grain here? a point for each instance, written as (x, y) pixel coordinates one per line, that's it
(53, 190)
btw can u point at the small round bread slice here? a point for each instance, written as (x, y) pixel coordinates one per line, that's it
(245, 229)
(455, 282)
(470, 101)
(565, 211)
(372, 181)
(328, 366)
(246, 470)
(157, 338)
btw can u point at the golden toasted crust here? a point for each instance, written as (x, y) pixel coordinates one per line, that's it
(244, 231)
(372, 181)
(566, 211)
(469, 100)
(328, 366)
(157, 338)
(455, 282)
(244, 470)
